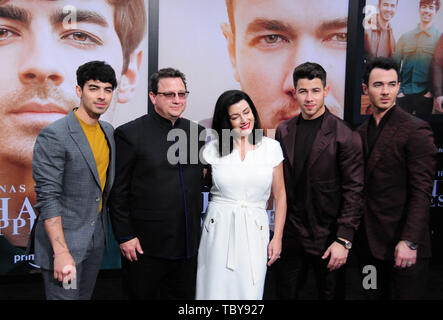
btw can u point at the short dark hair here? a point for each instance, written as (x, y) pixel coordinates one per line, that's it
(96, 70)
(436, 2)
(221, 121)
(384, 63)
(309, 70)
(165, 73)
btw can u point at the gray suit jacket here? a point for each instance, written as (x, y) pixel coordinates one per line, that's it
(67, 185)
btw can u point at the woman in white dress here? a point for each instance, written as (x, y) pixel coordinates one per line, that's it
(234, 248)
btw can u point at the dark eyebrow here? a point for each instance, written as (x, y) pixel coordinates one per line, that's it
(15, 13)
(82, 16)
(271, 25)
(331, 25)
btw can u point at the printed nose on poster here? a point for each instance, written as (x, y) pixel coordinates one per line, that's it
(39, 62)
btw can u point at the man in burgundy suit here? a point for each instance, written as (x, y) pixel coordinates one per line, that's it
(400, 167)
(323, 170)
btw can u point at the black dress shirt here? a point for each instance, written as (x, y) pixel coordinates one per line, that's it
(374, 130)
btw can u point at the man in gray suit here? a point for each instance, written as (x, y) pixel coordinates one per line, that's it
(73, 169)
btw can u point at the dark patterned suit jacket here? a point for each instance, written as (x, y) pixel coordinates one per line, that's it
(398, 184)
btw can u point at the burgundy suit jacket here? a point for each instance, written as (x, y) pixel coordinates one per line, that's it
(398, 184)
(334, 189)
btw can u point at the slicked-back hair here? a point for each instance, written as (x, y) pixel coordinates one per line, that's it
(221, 120)
(384, 63)
(165, 73)
(96, 70)
(309, 70)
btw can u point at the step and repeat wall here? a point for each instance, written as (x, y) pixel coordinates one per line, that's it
(252, 45)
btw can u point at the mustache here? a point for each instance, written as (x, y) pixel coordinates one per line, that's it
(41, 94)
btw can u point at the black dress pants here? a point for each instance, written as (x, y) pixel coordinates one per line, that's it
(155, 278)
(391, 283)
(291, 270)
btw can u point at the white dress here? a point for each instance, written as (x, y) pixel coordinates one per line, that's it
(235, 235)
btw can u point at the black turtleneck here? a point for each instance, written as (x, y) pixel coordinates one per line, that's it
(304, 139)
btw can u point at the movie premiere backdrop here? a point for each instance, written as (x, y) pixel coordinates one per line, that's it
(254, 47)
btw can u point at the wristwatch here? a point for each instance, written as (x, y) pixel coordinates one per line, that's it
(411, 245)
(345, 243)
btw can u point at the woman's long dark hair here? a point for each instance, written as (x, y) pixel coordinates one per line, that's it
(221, 121)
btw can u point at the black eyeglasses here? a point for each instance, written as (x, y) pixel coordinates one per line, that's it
(172, 95)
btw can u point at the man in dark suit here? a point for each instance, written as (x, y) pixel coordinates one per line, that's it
(156, 200)
(400, 166)
(323, 170)
(73, 169)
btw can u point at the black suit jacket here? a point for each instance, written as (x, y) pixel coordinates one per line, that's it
(398, 184)
(334, 187)
(158, 202)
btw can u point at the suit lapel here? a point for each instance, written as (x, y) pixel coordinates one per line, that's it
(77, 134)
(364, 136)
(321, 140)
(110, 173)
(289, 140)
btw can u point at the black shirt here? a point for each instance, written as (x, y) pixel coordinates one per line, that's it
(374, 130)
(304, 139)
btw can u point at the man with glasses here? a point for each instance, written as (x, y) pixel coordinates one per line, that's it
(156, 202)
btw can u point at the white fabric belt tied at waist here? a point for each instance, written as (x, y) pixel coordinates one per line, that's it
(240, 211)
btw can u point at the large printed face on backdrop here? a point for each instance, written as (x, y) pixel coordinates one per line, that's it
(427, 12)
(387, 9)
(40, 51)
(268, 39)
